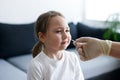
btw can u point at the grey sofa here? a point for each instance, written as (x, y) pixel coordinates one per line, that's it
(17, 40)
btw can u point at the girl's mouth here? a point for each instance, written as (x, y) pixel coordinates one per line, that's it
(65, 42)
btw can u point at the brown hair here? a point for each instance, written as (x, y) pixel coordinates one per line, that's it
(41, 26)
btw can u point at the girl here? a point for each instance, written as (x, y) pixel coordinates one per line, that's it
(51, 61)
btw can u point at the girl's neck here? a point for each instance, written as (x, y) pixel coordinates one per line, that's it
(57, 55)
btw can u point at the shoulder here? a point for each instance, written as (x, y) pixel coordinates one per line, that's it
(35, 70)
(36, 63)
(71, 55)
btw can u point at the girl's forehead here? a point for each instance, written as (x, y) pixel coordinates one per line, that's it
(56, 27)
(58, 20)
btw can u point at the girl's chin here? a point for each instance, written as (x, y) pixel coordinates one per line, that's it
(64, 47)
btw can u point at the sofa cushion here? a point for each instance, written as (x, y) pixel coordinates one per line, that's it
(73, 32)
(100, 65)
(21, 61)
(10, 72)
(16, 39)
(89, 31)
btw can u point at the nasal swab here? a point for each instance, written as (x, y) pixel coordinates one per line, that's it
(72, 40)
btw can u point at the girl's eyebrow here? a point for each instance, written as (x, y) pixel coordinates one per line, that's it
(62, 27)
(68, 27)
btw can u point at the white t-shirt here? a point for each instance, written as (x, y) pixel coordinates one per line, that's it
(43, 67)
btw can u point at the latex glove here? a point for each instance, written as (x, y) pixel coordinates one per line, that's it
(89, 47)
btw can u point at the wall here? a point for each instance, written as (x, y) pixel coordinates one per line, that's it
(26, 11)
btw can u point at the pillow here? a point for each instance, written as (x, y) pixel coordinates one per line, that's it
(16, 39)
(73, 32)
(88, 31)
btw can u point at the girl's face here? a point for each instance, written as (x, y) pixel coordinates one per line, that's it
(58, 34)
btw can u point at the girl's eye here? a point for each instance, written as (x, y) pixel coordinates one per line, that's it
(68, 30)
(59, 31)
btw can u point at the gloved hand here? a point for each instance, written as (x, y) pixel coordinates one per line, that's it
(89, 47)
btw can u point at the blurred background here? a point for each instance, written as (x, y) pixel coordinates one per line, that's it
(91, 12)
(87, 11)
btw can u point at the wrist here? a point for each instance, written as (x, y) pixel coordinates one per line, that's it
(105, 46)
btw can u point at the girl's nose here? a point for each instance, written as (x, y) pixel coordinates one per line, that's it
(65, 35)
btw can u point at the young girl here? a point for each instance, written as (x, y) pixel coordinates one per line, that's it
(51, 61)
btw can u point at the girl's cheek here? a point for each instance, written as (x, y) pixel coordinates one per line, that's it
(70, 36)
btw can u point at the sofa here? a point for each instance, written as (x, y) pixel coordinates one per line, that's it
(17, 40)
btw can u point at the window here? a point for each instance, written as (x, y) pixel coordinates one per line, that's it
(100, 9)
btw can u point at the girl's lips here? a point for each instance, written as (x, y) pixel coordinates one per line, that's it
(65, 42)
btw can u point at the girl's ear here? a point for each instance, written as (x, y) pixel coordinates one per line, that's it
(41, 36)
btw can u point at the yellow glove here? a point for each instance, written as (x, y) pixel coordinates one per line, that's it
(89, 47)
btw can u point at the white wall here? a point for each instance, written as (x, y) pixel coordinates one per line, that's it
(26, 11)
(100, 10)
